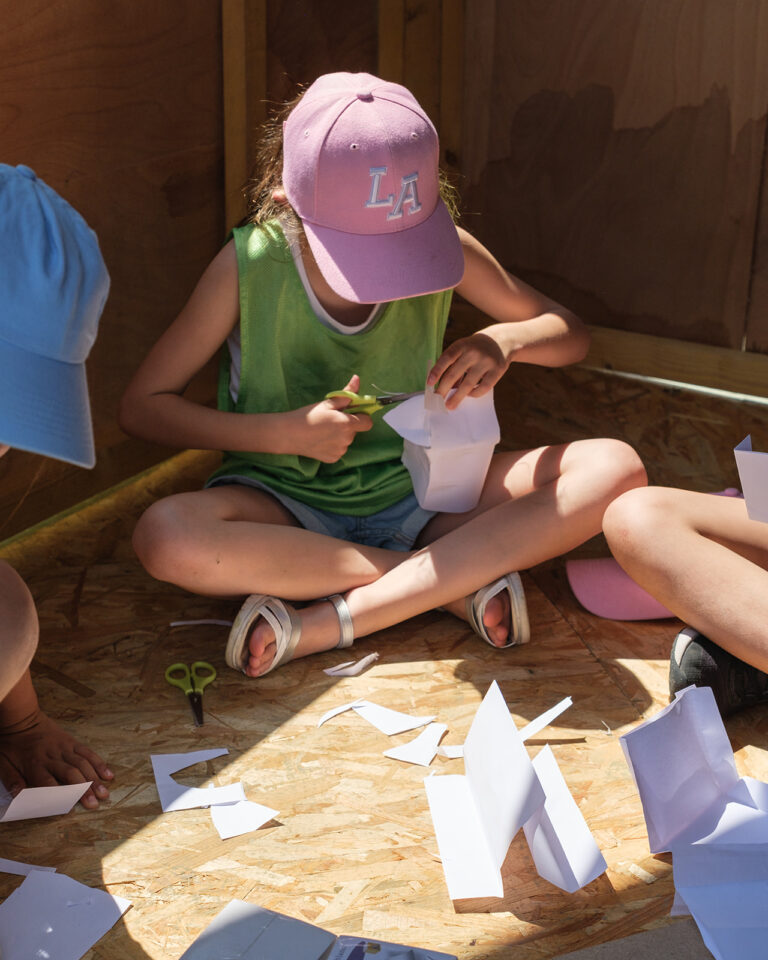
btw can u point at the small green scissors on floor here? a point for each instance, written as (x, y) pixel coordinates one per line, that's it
(365, 403)
(192, 682)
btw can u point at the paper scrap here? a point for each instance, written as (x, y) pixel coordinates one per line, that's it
(53, 916)
(235, 819)
(453, 751)
(386, 720)
(21, 869)
(753, 474)
(544, 719)
(34, 802)
(176, 796)
(352, 668)
(422, 750)
(561, 844)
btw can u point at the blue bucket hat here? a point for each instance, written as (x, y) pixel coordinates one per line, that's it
(53, 287)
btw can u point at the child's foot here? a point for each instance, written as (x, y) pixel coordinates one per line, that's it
(495, 617)
(41, 754)
(319, 632)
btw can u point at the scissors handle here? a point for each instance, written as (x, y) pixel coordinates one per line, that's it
(203, 673)
(361, 403)
(178, 675)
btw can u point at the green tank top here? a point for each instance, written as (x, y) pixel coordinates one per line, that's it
(290, 359)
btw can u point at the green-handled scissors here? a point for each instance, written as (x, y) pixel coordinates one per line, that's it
(192, 682)
(366, 403)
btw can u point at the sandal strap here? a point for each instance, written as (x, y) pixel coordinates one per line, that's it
(346, 626)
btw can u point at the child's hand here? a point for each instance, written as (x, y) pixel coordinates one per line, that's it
(473, 365)
(324, 431)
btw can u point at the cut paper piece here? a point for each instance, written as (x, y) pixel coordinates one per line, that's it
(683, 752)
(715, 823)
(386, 720)
(235, 819)
(52, 916)
(422, 750)
(544, 719)
(21, 869)
(245, 931)
(352, 668)
(753, 473)
(42, 801)
(335, 711)
(176, 796)
(525, 733)
(561, 844)
(446, 452)
(477, 815)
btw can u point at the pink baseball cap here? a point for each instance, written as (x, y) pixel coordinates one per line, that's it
(360, 169)
(603, 588)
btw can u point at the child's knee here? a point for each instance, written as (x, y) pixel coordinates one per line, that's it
(18, 627)
(634, 517)
(161, 537)
(619, 464)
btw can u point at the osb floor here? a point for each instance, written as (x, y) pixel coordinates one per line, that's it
(353, 848)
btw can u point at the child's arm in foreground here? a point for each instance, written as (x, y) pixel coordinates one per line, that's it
(34, 751)
(154, 406)
(529, 328)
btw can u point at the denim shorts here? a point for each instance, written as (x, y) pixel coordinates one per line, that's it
(394, 528)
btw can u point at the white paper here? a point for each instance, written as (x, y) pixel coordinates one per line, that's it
(43, 801)
(561, 844)
(176, 796)
(352, 668)
(544, 719)
(753, 474)
(245, 931)
(683, 765)
(21, 869)
(477, 815)
(715, 823)
(454, 751)
(447, 452)
(235, 819)
(52, 916)
(386, 720)
(422, 750)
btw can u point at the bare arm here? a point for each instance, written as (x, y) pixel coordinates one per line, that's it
(529, 328)
(154, 406)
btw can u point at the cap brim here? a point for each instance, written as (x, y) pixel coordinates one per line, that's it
(374, 268)
(603, 588)
(44, 406)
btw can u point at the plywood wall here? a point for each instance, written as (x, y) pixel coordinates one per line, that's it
(615, 154)
(118, 107)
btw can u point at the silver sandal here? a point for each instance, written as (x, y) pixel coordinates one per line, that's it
(285, 622)
(519, 627)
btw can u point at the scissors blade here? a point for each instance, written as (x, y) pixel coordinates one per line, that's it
(196, 703)
(389, 398)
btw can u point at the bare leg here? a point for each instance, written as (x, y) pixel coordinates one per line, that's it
(34, 751)
(537, 505)
(703, 558)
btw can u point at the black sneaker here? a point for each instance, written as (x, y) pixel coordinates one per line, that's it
(697, 660)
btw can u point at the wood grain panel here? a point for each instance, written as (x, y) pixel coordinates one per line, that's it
(613, 153)
(118, 107)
